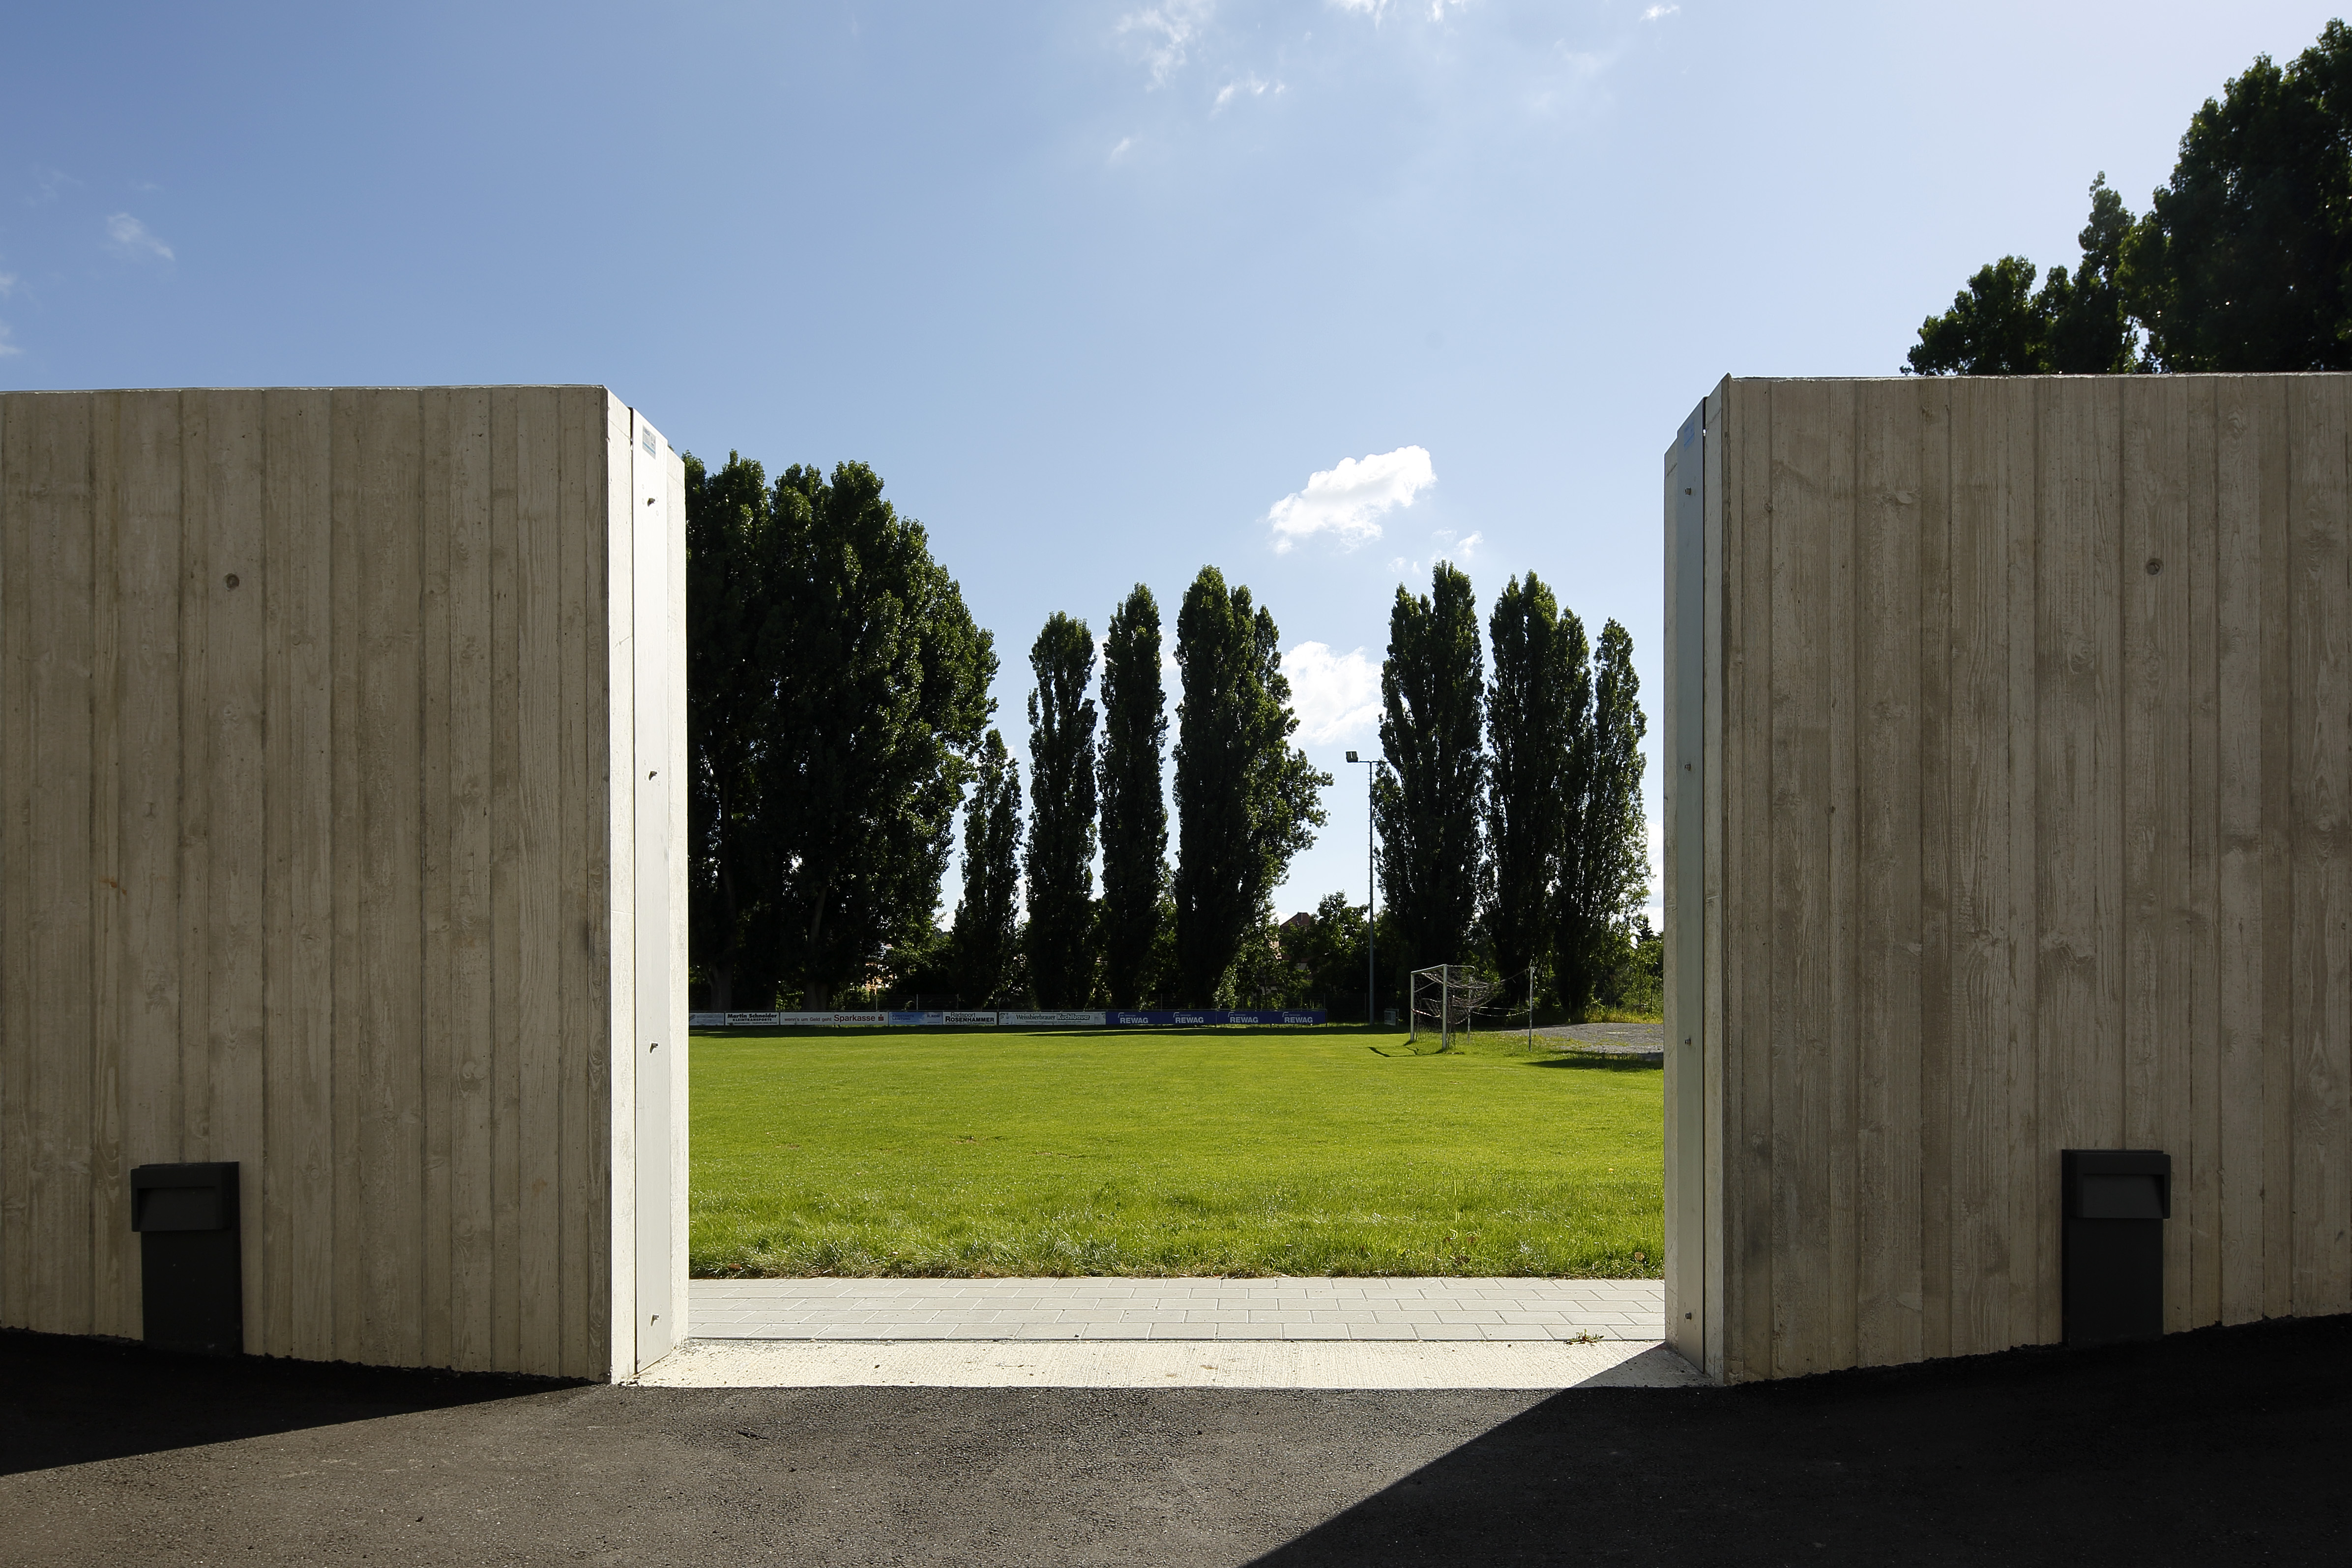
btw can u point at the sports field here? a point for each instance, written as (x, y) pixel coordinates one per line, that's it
(1248, 1152)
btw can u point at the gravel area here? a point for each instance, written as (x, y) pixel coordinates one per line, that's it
(1645, 1041)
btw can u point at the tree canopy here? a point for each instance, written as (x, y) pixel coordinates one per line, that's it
(2242, 263)
(2072, 325)
(1604, 860)
(1134, 810)
(1061, 814)
(838, 688)
(1246, 799)
(1539, 718)
(2244, 260)
(730, 697)
(982, 946)
(1426, 805)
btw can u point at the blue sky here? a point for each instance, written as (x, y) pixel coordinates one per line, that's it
(1097, 287)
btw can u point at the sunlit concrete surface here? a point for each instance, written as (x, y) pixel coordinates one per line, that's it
(1244, 1363)
(1109, 1307)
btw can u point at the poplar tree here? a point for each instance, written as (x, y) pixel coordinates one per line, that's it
(1246, 800)
(1061, 814)
(1539, 720)
(1134, 811)
(1426, 804)
(1606, 862)
(985, 916)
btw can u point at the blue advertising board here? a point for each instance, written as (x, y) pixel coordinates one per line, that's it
(1189, 1018)
(1181, 1017)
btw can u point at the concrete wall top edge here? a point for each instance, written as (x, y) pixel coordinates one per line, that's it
(315, 386)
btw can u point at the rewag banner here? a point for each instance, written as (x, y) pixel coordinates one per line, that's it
(1177, 1018)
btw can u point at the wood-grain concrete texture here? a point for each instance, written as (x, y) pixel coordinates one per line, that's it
(2021, 819)
(317, 854)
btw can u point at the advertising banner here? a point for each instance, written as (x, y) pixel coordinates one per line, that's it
(1181, 1017)
(1185, 1018)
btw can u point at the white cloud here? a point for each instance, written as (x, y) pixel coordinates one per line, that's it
(1376, 10)
(6, 348)
(47, 183)
(1655, 12)
(130, 236)
(1120, 150)
(1337, 696)
(7, 284)
(1460, 550)
(1254, 85)
(1348, 500)
(1165, 32)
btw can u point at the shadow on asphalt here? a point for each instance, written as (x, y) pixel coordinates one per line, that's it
(2223, 1446)
(67, 1401)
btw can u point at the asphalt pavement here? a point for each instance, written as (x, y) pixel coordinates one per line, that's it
(2223, 1446)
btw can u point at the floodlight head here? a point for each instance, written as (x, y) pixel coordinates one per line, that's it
(1351, 757)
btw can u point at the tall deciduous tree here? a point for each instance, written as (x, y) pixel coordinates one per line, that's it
(1539, 719)
(1606, 862)
(730, 694)
(1134, 811)
(2090, 329)
(1329, 950)
(1246, 800)
(2245, 262)
(844, 686)
(2242, 264)
(2074, 324)
(1061, 814)
(983, 943)
(1427, 804)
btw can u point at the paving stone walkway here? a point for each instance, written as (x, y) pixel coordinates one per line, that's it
(1101, 1307)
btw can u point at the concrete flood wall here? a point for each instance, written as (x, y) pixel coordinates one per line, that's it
(2008, 742)
(342, 739)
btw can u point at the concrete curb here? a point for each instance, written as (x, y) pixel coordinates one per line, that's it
(1251, 1363)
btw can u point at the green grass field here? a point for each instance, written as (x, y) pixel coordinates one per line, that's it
(1248, 1152)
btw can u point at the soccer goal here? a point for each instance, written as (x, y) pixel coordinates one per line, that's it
(1449, 996)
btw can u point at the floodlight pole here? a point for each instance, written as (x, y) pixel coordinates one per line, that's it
(1371, 897)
